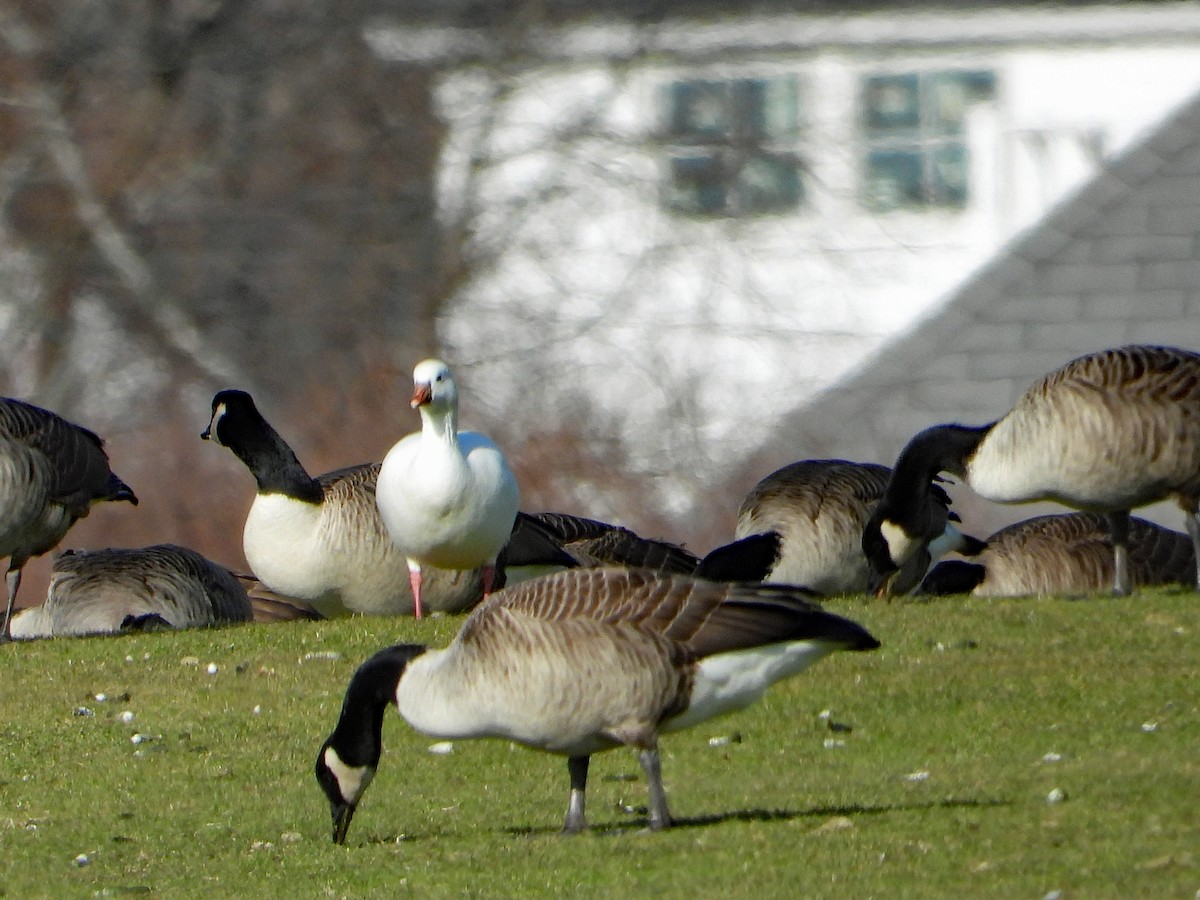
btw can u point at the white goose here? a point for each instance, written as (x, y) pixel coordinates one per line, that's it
(447, 497)
(1106, 433)
(582, 661)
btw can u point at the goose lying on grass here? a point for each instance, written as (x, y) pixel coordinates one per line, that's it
(1064, 554)
(123, 589)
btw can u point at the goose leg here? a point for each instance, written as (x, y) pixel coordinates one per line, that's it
(1118, 529)
(414, 581)
(488, 574)
(660, 816)
(1192, 520)
(575, 822)
(13, 580)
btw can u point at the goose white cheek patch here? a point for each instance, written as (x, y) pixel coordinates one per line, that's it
(352, 780)
(900, 546)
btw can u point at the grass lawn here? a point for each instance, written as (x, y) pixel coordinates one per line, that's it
(932, 767)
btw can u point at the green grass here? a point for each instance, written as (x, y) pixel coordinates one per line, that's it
(221, 801)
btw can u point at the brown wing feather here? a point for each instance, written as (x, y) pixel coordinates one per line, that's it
(704, 617)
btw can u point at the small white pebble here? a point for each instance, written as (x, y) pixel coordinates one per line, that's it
(1149, 727)
(922, 775)
(100, 698)
(212, 669)
(32, 826)
(441, 748)
(128, 659)
(1058, 795)
(834, 743)
(824, 714)
(1053, 895)
(126, 716)
(138, 738)
(257, 709)
(82, 860)
(321, 654)
(145, 657)
(1052, 757)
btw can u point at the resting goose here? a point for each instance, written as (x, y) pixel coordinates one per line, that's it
(819, 507)
(51, 472)
(1064, 554)
(1106, 433)
(121, 589)
(448, 497)
(322, 540)
(589, 543)
(583, 661)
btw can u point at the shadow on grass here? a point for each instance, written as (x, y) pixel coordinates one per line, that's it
(767, 815)
(612, 829)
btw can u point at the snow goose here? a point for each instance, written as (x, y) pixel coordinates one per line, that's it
(51, 472)
(322, 540)
(1106, 433)
(448, 497)
(820, 507)
(583, 661)
(589, 543)
(119, 589)
(1064, 554)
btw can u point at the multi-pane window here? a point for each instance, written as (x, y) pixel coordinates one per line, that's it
(916, 141)
(732, 146)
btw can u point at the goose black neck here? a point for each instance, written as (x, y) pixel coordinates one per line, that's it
(942, 448)
(275, 468)
(358, 737)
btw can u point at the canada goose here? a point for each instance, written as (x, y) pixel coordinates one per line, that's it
(1105, 433)
(51, 472)
(1064, 554)
(119, 589)
(820, 507)
(589, 543)
(322, 539)
(582, 661)
(271, 606)
(448, 497)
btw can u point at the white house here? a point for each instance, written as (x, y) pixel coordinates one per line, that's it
(689, 229)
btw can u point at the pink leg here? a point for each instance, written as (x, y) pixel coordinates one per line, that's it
(489, 575)
(414, 579)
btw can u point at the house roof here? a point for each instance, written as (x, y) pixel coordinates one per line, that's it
(1117, 262)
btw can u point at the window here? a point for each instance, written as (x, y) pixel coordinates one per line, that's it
(916, 141)
(732, 146)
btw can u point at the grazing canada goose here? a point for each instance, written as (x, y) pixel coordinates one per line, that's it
(120, 589)
(51, 472)
(448, 497)
(582, 661)
(322, 540)
(1065, 554)
(589, 543)
(820, 507)
(1106, 433)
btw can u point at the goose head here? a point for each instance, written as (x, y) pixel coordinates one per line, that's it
(232, 411)
(433, 386)
(888, 547)
(349, 758)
